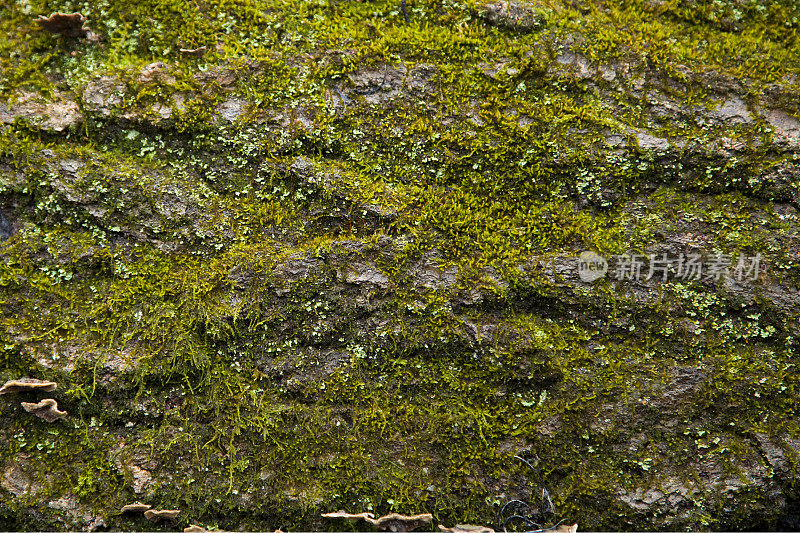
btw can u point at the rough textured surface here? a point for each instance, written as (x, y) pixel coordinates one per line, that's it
(331, 263)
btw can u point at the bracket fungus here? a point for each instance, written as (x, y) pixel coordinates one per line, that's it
(399, 522)
(164, 514)
(27, 385)
(466, 528)
(67, 24)
(136, 507)
(46, 409)
(348, 516)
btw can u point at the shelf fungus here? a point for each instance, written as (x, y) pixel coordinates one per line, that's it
(348, 516)
(46, 409)
(27, 385)
(67, 24)
(136, 507)
(467, 528)
(399, 522)
(164, 514)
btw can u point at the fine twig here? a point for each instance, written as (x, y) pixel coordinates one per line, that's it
(521, 511)
(547, 506)
(404, 10)
(551, 528)
(500, 521)
(528, 521)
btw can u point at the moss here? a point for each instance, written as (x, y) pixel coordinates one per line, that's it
(265, 387)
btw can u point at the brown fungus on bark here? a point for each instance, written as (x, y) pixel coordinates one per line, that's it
(466, 528)
(164, 514)
(67, 24)
(27, 385)
(399, 522)
(348, 516)
(136, 507)
(46, 409)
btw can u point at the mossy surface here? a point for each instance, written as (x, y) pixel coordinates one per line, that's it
(332, 263)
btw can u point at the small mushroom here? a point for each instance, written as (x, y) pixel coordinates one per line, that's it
(46, 409)
(399, 522)
(348, 516)
(194, 529)
(136, 507)
(164, 514)
(466, 528)
(67, 24)
(194, 52)
(27, 384)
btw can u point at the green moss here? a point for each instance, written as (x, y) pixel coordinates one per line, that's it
(263, 397)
